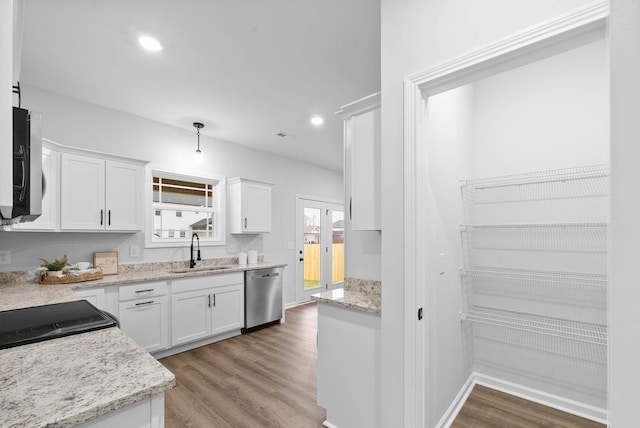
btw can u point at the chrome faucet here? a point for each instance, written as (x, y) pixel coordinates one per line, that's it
(192, 262)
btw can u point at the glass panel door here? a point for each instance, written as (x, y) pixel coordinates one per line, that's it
(312, 254)
(320, 249)
(337, 248)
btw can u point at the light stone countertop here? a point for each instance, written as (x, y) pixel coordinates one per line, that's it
(69, 380)
(164, 273)
(358, 294)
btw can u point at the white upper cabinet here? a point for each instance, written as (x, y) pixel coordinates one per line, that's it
(124, 196)
(48, 220)
(101, 194)
(362, 162)
(250, 206)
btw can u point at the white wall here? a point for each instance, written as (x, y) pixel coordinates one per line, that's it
(449, 147)
(74, 123)
(547, 115)
(417, 36)
(624, 295)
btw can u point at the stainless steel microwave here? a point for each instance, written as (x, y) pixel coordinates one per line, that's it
(27, 168)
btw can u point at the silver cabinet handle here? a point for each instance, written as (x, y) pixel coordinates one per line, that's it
(101, 217)
(245, 222)
(144, 303)
(145, 291)
(209, 300)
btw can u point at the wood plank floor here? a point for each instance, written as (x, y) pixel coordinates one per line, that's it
(488, 408)
(266, 378)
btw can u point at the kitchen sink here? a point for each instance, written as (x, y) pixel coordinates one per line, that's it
(200, 269)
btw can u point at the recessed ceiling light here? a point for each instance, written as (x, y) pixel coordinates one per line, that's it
(150, 44)
(317, 120)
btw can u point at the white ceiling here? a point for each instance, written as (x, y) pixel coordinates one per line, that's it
(247, 69)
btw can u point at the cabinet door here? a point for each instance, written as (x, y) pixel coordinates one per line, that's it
(190, 316)
(82, 193)
(147, 322)
(228, 308)
(256, 204)
(48, 220)
(124, 196)
(250, 206)
(95, 296)
(365, 171)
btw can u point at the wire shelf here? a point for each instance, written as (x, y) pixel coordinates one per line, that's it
(549, 226)
(589, 279)
(534, 282)
(556, 327)
(539, 177)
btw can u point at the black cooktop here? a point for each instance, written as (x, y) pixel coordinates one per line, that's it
(38, 323)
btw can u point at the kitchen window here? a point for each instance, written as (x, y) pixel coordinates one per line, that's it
(183, 205)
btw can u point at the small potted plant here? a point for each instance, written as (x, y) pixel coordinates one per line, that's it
(55, 267)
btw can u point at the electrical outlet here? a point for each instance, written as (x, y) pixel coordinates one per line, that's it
(5, 257)
(134, 251)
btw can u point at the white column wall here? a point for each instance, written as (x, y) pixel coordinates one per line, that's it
(624, 295)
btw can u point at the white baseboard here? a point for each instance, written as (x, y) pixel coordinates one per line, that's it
(196, 344)
(294, 304)
(576, 408)
(453, 410)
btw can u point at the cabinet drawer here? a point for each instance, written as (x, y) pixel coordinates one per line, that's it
(145, 289)
(203, 282)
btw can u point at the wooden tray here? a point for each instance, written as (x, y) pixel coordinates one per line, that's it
(43, 278)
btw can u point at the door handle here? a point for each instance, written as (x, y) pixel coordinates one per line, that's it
(245, 222)
(101, 217)
(209, 300)
(109, 222)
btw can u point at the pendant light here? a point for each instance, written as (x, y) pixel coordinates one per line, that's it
(198, 126)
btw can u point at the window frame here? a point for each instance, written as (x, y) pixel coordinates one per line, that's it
(218, 205)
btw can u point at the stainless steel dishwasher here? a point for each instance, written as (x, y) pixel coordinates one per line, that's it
(262, 296)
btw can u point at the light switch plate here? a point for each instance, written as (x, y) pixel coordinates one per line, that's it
(5, 257)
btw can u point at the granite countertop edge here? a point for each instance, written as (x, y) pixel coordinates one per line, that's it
(115, 373)
(359, 294)
(159, 275)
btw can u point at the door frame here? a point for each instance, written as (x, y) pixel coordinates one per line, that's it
(300, 199)
(534, 43)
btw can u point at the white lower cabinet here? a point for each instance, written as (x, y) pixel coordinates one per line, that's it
(103, 298)
(160, 315)
(228, 309)
(144, 314)
(146, 413)
(190, 316)
(206, 306)
(349, 383)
